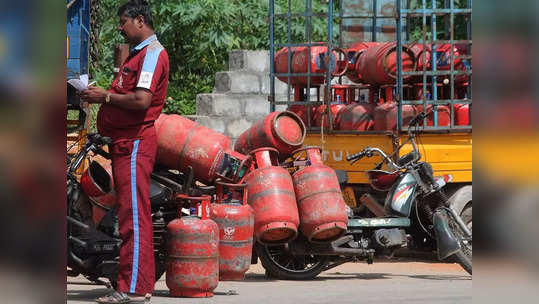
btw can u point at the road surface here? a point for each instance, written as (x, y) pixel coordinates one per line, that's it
(382, 282)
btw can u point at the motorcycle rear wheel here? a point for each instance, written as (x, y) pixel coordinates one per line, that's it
(282, 265)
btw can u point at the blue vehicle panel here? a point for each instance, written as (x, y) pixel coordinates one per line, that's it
(78, 33)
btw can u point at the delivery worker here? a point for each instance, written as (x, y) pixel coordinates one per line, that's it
(127, 114)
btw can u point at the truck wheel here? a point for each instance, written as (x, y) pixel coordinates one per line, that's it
(461, 202)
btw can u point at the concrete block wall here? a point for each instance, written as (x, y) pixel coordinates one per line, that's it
(240, 95)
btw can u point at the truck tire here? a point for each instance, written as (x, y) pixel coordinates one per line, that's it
(461, 202)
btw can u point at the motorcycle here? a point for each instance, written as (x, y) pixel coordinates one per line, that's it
(93, 241)
(416, 214)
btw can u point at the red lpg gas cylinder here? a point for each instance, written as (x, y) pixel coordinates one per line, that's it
(193, 254)
(98, 184)
(322, 210)
(284, 131)
(300, 64)
(378, 64)
(236, 222)
(443, 60)
(357, 116)
(462, 114)
(354, 52)
(444, 115)
(320, 114)
(183, 143)
(271, 195)
(385, 116)
(301, 112)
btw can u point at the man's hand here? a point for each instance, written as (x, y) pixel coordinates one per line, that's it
(94, 95)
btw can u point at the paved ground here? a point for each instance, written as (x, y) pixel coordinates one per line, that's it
(383, 282)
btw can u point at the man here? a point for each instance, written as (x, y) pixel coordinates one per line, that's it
(127, 114)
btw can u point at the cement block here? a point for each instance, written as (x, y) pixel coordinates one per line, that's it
(218, 105)
(237, 82)
(234, 128)
(280, 87)
(212, 123)
(255, 61)
(258, 61)
(256, 105)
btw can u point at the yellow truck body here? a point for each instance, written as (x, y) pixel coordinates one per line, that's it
(448, 153)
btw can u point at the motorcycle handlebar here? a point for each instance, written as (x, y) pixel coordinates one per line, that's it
(97, 139)
(356, 156)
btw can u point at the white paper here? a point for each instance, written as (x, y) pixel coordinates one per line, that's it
(80, 84)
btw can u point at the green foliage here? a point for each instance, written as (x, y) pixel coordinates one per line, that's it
(198, 34)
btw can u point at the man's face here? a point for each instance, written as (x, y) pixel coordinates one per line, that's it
(130, 28)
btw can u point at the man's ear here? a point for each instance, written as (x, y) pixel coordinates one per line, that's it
(140, 20)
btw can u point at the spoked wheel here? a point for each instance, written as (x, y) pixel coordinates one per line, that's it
(464, 256)
(281, 264)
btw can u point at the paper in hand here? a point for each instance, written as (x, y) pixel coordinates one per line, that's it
(80, 84)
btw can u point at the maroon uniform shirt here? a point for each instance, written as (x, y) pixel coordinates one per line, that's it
(146, 67)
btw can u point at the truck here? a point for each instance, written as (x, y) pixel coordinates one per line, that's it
(321, 75)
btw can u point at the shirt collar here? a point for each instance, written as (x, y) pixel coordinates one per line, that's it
(144, 43)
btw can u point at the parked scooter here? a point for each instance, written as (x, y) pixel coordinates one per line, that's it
(416, 214)
(93, 242)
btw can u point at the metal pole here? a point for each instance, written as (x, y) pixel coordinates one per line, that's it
(272, 54)
(328, 71)
(374, 20)
(398, 98)
(434, 60)
(452, 61)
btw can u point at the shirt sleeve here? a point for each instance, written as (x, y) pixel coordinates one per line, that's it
(151, 71)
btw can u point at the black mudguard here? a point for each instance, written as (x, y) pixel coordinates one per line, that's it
(447, 243)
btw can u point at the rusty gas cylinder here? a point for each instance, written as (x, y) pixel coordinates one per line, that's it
(321, 117)
(192, 266)
(462, 114)
(300, 62)
(354, 51)
(378, 64)
(302, 112)
(284, 131)
(183, 143)
(385, 116)
(357, 117)
(271, 195)
(322, 210)
(236, 220)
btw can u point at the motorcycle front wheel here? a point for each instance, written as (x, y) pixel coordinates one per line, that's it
(281, 264)
(463, 256)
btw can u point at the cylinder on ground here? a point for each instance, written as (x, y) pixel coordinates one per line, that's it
(284, 131)
(236, 226)
(322, 210)
(271, 195)
(192, 267)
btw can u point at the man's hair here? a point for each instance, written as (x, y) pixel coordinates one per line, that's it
(135, 8)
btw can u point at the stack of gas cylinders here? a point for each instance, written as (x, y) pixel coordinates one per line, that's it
(370, 105)
(289, 188)
(268, 187)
